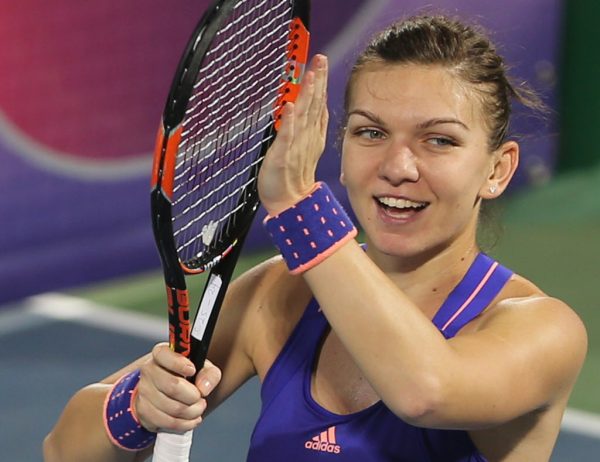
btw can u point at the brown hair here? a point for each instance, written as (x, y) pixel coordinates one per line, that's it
(466, 51)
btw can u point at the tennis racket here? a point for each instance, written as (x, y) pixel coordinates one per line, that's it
(244, 61)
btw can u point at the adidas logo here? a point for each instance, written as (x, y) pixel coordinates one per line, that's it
(324, 442)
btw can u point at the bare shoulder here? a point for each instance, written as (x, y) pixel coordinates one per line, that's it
(271, 301)
(522, 302)
(547, 341)
(267, 286)
(539, 326)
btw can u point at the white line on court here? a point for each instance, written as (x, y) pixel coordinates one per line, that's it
(582, 423)
(16, 318)
(55, 306)
(38, 309)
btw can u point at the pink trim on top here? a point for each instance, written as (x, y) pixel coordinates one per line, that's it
(472, 296)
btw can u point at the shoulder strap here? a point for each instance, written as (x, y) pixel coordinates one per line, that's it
(483, 281)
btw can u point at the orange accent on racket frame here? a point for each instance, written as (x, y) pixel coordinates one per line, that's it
(165, 154)
(297, 57)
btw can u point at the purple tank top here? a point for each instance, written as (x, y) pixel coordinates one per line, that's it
(293, 427)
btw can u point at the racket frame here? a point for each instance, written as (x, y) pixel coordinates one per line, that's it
(192, 340)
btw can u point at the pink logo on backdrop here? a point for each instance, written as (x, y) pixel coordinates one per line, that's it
(83, 84)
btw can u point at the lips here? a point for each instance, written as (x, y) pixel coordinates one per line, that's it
(400, 208)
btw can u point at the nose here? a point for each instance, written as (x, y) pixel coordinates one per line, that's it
(398, 165)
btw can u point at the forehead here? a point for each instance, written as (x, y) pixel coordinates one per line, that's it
(413, 91)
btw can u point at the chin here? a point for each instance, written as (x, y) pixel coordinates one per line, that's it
(413, 249)
(397, 246)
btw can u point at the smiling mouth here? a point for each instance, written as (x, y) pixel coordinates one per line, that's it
(400, 207)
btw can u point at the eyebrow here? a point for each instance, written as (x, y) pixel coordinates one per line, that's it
(423, 125)
(432, 122)
(369, 115)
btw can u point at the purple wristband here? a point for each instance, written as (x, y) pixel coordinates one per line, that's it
(121, 424)
(311, 230)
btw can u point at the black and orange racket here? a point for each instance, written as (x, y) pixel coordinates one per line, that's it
(244, 60)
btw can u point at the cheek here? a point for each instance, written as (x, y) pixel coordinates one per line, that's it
(454, 183)
(350, 167)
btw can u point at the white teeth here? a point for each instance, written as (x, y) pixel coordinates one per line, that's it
(400, 203)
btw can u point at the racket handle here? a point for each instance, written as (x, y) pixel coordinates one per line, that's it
(172, 447)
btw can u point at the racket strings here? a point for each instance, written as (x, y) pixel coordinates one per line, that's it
(252, 42)
(224, 129)
(208, 174)
(195, 149)
(208, 150)
(210, 106)
(227, 190)
(222, 198)
(222, 219)
(215, 103)
(249, 42)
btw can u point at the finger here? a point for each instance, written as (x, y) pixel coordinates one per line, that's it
(155, 415)
(319, 100)
(276, 154)
(324, 120)
(171, 361)
(162, 374)
(173, 386)
(173, 407)
(162, 398)
(305, 97)
(208, 378)
(285, 135)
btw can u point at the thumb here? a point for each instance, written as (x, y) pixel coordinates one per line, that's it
(208, 378)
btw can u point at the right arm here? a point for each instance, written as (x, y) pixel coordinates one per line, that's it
(79, 433)
(165, 399)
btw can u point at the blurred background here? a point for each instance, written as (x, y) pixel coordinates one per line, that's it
(82, 88)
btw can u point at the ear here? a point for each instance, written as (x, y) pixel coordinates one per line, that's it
(504, 165)
(342, 179)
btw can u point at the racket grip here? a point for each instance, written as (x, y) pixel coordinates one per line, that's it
(172, 447)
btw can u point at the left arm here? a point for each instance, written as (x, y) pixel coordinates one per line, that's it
(525, 355)
(521, 359)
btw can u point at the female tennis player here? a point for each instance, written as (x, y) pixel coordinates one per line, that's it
(416, 346)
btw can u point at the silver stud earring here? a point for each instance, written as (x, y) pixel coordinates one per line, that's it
(493, 188)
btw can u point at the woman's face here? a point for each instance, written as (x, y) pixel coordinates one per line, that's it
(415, 158)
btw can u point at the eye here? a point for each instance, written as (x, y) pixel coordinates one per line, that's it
(441, 141)
(369, 134)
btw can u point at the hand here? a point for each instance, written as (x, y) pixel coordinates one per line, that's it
(288, 171)
(166, 399)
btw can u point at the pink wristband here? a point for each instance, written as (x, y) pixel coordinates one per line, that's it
(311, 230)
(121, 423)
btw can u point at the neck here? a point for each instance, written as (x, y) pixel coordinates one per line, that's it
(428, 276)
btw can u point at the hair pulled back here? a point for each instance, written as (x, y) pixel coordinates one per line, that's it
(465, 51)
